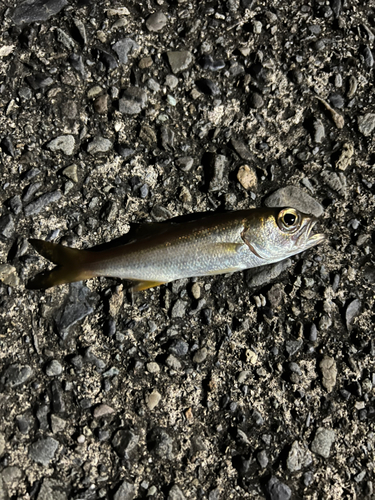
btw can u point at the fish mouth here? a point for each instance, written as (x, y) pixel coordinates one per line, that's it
(308, 240)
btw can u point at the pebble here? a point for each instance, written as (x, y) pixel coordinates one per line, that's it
(31, 11)
(217, 169)
(293, 346)
(52, 489)
(368, 57)
(15, 204)
(153, 367)
(153, 399)
(64, 143)
(185, 163)
(126, 491)
(65, 39)
(175, 493)
(57, 424)
(156, 22)
(353, 85)
(145, 62)
(16, 375)
(242, 150)
(125, 47)
(323, 440)
(277, 490)
(11, 475)
(7, 146)
(125, 152)
(173, 363)
(247, 177)
(153, 85)
(337, 101)
(298, 457)
(319, 132)
(43, 450)
(71, 172)
(329, 372)
(134, 100)
(102, 410)
(179, 60)
(57, 399)
(161, 443)
(75, 308)
(200, 356)
(100, 104)
(256, 100)
(209, 63)
(109, 61)
(352, 312)
(147, 135)
(54, 368)
(336, 181)
(30, 191)
(167, 137)
(76, 62)
(171, 81)
(90, 357)
(208, 87)
(99, 145)
(266, 274)
(6, 226)
(179, 348)
(179, 309)
(262, 459)
(124, 442)
(36, 206)
(2, 443)
(346, 155)
(292, 196)
(366, 124)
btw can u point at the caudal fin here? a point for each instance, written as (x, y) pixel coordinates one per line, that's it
(70, 265)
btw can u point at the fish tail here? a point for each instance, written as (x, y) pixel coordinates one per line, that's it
(70, 265)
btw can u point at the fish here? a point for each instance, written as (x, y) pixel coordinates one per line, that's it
(169, 250)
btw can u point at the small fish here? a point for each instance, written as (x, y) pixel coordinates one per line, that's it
(214, 244)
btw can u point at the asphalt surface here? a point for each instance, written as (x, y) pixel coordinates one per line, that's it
(254, 385)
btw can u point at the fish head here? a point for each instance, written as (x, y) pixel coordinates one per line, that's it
(277, 233)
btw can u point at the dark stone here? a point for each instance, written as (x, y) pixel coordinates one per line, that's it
(16, 375)
(32, 11)
(123, 48)
(43, 450)
(45, 199)
(7, 146)
(208, 87)
(278, 490)
(125, 442)
(30, 191)
(39, 81)
(160, 443)
(109, 61)
(57, 400)
(209, 63)
(6, 226)
(76, 62)
(75, 308)
(89, 357)
(179, 348)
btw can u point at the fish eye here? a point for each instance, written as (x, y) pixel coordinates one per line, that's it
(288, 220)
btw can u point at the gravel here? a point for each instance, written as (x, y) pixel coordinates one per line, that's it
(256, 384)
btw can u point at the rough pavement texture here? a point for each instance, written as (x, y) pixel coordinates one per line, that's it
(229, 387)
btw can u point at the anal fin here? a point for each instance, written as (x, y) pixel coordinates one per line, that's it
(138, 286)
